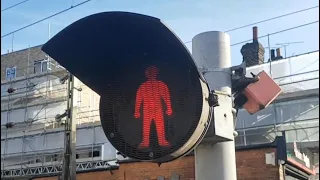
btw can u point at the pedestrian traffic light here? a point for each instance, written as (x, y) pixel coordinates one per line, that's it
(153, 101)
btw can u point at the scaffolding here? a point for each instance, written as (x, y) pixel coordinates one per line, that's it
(56, 169)
(33, 122)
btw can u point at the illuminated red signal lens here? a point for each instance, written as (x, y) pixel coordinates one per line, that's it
(149, 96)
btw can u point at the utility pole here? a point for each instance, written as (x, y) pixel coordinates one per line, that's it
(211, 50)
(69, 162)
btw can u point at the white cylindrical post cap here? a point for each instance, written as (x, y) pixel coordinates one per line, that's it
(212, 49)
(211, 52)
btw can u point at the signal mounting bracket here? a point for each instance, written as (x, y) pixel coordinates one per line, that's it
(213, 98)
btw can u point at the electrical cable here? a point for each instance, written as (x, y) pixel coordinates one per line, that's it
(277, 32)
(277, 17)
(262, 21)
(12, 6)
(48, 17)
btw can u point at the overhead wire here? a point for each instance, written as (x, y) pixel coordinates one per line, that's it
(71, 7)
(48, 17)
(277, 32)
(12, 6)
(266, 20)
(273, 18)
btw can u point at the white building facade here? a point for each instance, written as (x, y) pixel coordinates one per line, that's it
(31, 135)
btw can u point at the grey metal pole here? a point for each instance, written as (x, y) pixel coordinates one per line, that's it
(69, 163)
(270, 64)
(73, 128)
(211, 50)
(12, 42)
(285, 51)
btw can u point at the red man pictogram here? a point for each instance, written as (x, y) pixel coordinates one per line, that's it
(150, 94)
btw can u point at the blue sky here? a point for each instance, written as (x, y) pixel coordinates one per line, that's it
(185, 17)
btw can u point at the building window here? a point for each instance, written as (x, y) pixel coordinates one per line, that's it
(41, 66)
(94, 154)
(11, 73)
(55, 157)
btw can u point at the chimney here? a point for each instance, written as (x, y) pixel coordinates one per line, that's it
(253, 53)
(278, 54)
(273, 56)
(255, 34)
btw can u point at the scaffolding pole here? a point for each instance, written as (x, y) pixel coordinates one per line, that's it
(69, 162)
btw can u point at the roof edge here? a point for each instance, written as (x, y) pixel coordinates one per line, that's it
(6, 54)
(300, 166)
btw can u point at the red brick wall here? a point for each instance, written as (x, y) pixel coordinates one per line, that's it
(250, 165)
(142, 171)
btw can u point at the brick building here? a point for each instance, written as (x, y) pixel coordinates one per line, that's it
(251, 167)
(260, 162)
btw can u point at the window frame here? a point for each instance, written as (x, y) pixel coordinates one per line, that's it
(41, 65)
(15, 72)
